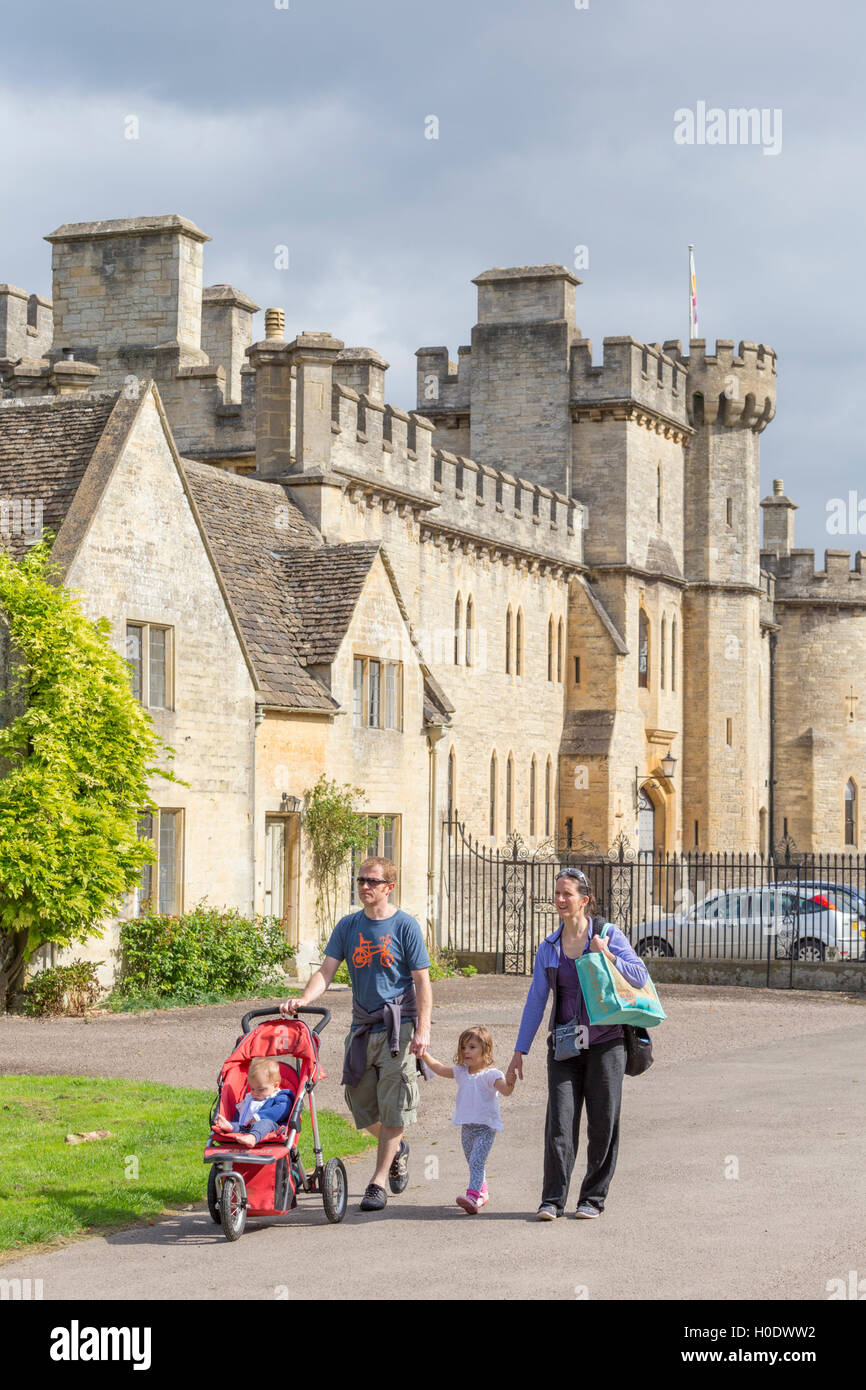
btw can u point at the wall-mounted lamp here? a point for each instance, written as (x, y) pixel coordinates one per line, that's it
(290, 805)
(669, 764)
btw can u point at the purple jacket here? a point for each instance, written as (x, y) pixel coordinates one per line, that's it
(544, 979)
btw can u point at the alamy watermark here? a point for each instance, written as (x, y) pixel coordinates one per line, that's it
(738, 125)
(21, 516)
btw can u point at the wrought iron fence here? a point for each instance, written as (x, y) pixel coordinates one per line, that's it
(784, 905)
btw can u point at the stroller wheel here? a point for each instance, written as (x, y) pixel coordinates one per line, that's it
(232, 1210)
(213, 1204)
(335, 1189)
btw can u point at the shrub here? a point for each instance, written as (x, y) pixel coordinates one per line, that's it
(64, 989)
(202, 951)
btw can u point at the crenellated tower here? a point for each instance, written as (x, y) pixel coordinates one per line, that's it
(731, 398)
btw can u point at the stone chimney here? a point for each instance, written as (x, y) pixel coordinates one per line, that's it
(128, 295)
(227, 332)
(314, 355)
(272, 363)
(778, 520)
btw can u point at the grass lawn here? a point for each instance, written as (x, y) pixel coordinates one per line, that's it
(49, 1188)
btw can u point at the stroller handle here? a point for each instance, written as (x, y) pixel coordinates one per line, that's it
(307, 1009)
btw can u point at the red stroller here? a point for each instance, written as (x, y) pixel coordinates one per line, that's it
(265, 1180)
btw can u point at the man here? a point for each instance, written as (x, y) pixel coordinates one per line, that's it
(392, 1002)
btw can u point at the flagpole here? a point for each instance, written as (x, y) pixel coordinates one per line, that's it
(689, 340)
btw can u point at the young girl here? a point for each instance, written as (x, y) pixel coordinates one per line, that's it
(477, 1108)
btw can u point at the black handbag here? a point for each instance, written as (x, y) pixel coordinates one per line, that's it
(639, 1050)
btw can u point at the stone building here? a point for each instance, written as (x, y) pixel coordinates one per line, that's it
(516, 601)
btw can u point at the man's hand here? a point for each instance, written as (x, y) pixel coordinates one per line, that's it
(290, 1008)
(420, 1043)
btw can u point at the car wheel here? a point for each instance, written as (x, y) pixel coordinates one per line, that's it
(809, 950)
(335, 1190)
(653, 948)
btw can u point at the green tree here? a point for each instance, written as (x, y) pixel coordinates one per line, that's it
(335, 827)
(76, 754)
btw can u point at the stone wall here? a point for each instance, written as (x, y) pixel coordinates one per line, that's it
(143, 560)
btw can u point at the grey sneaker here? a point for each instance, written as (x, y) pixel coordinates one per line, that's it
(398, 1173)
(547, 1212)
(586, 1210)
(375, 1198)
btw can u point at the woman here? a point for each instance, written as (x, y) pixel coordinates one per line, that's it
(595, 1074)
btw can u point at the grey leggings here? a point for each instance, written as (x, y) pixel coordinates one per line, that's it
(477, 1142)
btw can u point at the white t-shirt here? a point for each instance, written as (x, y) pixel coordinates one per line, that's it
(477, 1100)
(249, 1109)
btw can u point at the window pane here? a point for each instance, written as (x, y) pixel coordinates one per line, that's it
(275, 867)
(388, 837)
(168, 846)
(375, 670)
(144, 891)
(133, 655)
(157, 667)
(358, 692)
(390, 695)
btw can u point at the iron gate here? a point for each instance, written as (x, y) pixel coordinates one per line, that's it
(499, 903)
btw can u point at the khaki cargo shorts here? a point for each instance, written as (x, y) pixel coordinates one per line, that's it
(388, 1090)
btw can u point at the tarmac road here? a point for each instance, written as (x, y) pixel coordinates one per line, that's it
(768, 1084)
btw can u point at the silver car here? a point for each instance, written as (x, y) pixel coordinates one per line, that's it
(756, 923)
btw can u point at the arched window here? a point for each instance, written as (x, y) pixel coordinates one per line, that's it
(493, 775)
(452, 786)
(518, 643)
(470, 635)
(547, 781)
(508, 643)
(662, 636)
(559, 637)
(550, 648)
(457, 612)
(532, 772)
(509, 795)
(674, 654)
(643, 650)
(850, 813)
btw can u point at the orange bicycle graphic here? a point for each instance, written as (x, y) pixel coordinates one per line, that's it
(365, 951)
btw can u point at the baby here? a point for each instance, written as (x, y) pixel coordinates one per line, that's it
(262, 1109)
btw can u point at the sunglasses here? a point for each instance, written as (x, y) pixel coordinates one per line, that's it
(370, 882)
(573, 873)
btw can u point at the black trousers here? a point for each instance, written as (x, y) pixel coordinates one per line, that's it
(594, 1077)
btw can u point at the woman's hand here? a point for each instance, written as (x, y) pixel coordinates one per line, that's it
(598, 943)
(515, 1068)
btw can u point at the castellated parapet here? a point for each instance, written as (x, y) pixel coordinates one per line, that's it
(798, 581)
(728, 389)
(382, 450)
(26, 325)
(629, 371)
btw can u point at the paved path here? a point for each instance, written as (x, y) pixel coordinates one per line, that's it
(773, 1080)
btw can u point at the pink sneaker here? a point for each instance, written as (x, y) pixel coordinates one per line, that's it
(483, 1198)
(470, 1202)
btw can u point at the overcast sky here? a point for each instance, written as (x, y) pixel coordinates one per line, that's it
(305, 126)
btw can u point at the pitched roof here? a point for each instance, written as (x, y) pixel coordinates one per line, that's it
(251, 526)
(45, 447)
(325, 585)
(291, 597)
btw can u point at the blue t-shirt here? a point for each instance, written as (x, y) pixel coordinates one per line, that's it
(380, 955)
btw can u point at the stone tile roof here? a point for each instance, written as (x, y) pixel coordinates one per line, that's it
(45, 447)
(253, 528)
(325, 585)
(588, 732)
